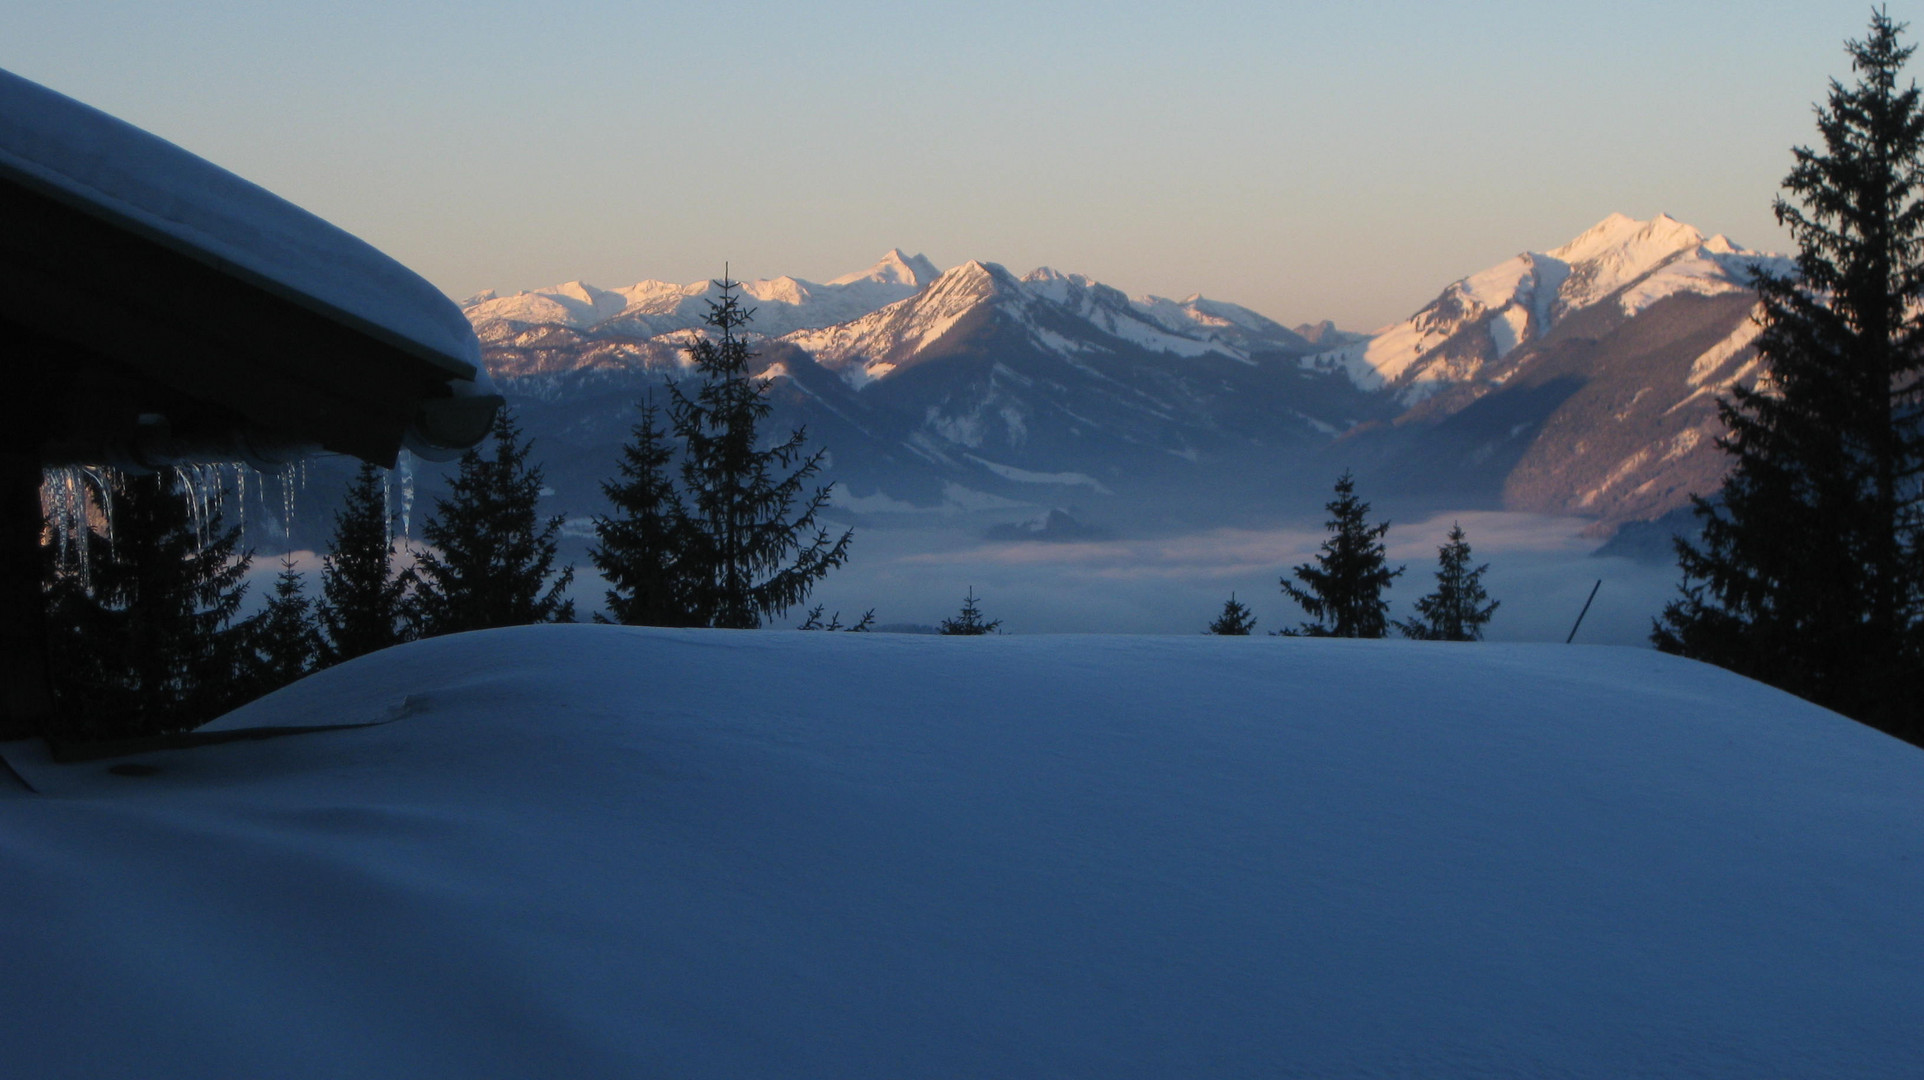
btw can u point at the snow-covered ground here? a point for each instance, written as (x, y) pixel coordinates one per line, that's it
(595, 852)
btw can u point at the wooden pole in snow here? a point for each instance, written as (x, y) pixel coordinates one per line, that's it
(1585, 611)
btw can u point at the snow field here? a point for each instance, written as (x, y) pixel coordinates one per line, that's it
(602, 851)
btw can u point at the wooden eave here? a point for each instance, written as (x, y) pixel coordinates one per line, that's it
(154, 322)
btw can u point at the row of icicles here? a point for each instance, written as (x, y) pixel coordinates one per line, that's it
(79, 499)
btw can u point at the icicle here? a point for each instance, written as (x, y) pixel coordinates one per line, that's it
(387, 506)
(184, 477)
(205, 490)
(104, 485)
(287, 504)
(241, 472)
(405, 464)
(203, 504)
(77, 502)
(66, 521)
(216, 487)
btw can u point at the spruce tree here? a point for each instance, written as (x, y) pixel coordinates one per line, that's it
(287, 640)
(1343, 589)
(1235, 621)
(1459, 607)
(970, 622)
(745, 554)
(639, 548)
(1807, 576)
(149, 640)
(363, 598)
(489, 555)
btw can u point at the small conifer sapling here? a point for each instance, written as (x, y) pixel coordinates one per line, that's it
(1459, 607)
(287, 641)
(1235, 621)
(970, 622)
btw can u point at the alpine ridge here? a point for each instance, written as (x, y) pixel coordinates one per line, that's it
(1581, 380)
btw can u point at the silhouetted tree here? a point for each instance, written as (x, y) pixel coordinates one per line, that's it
(814, 621)
(1236, 619)
(148, 640)
(1343, 589)
(363, 598)
(744, 553)
(287, 640)
(640, 547)
(489, 554)
(1808, 576)
(970, 622)
(1459, 607)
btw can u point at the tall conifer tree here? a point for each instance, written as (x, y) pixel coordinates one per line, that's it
(490, 556)
(1460, 606)
(363, 598)
(150, 640)
(1809, 569)
(639, 547)
(287, 640)
(1343, 589)
(747, 554)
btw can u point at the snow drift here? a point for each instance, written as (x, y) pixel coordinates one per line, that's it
(601, 851)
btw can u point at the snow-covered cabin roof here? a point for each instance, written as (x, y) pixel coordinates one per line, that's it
(191, 256)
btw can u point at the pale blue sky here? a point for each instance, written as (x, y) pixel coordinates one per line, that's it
(1308, 160)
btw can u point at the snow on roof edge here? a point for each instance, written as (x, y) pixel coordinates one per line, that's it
(110, 169)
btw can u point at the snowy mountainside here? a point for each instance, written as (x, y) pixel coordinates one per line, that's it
(651, 308)
(1030, 388)
(1468, 333)
(616, 851)
(1067, 314)
(1581, 379)
(1232, 323)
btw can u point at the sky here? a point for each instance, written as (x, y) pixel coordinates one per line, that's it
(1308, 160)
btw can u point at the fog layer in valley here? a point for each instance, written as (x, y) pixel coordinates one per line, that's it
(916, 575)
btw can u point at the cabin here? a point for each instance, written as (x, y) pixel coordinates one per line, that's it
(157, 310)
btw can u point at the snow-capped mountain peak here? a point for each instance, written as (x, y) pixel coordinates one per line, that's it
(1073, 290)
(781, 290)
(894, 268)
(1231, 325)
(1070, 316)
(651, 308)
(1617, 251)
(867, 348)
(1478, 321)
(1622, 233)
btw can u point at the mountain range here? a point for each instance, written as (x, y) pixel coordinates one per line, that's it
(1579, 380)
